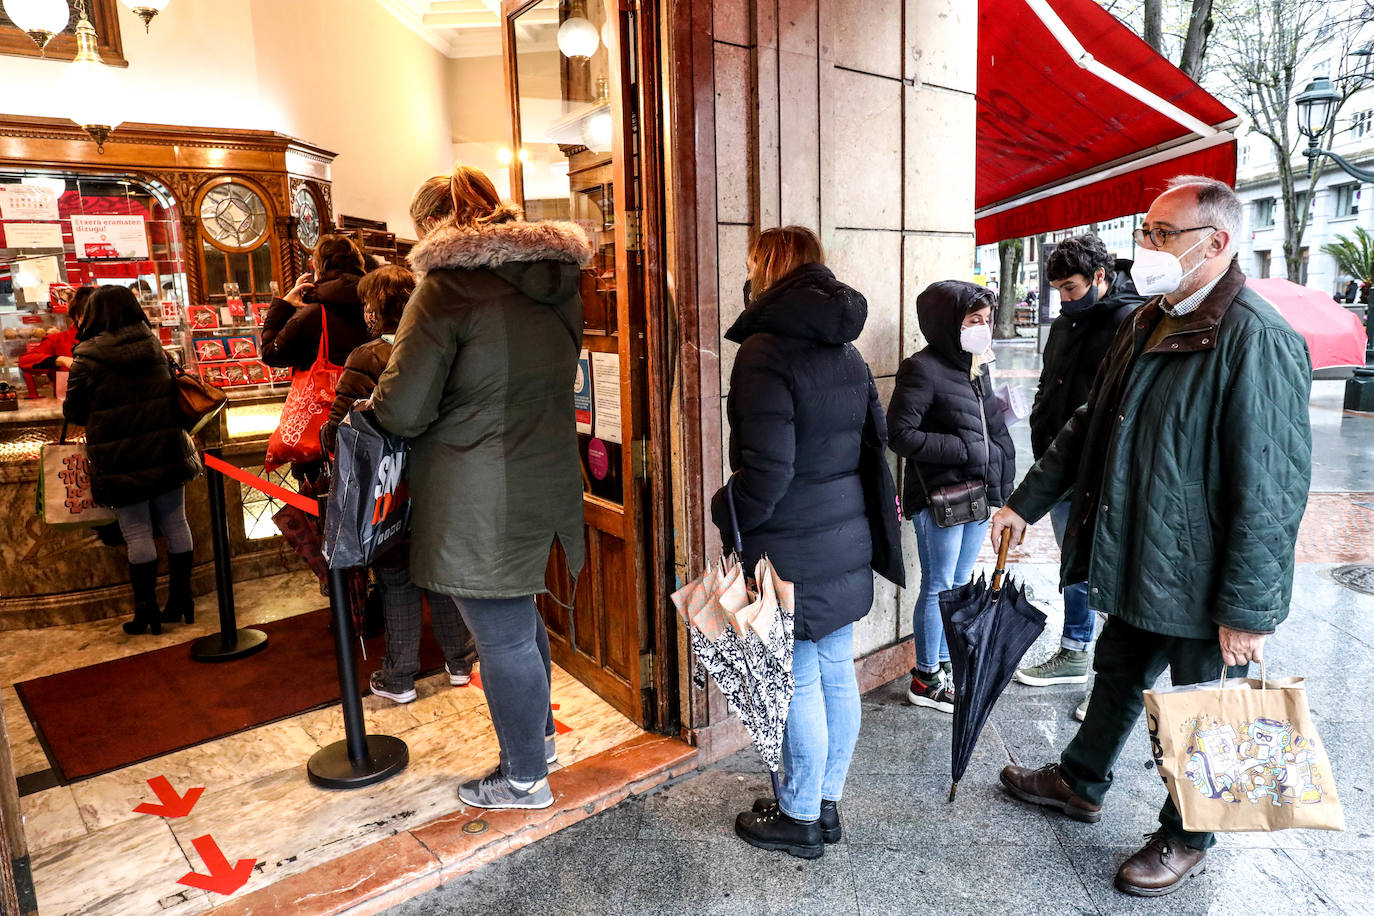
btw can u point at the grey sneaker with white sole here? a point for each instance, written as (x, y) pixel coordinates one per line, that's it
(382, 689)
(550, 752)
(496, 791)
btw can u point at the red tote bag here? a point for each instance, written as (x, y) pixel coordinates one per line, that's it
(296, 439)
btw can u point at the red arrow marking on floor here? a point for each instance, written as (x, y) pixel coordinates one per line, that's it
(223, 879)
(558, 727)
(173, 805)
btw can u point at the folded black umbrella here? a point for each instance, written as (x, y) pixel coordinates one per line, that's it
(989, 629)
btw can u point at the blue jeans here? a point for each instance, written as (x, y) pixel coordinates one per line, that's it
(1079, 619)
(516, 674)
(947, 556)
(136, 524)
(822, 724)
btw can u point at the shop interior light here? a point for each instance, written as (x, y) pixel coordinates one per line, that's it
(146, 10)
(93, 92)
(503, 155)
(40, 19)
(524, 154)
(597, 132)
(577, 37)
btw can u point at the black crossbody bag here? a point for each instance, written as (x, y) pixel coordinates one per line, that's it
(966, 501)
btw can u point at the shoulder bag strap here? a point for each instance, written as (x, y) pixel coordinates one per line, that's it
(983, 415)
(324, 336)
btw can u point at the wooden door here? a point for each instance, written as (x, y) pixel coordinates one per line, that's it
(575, 155)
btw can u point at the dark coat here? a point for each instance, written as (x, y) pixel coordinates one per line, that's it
(799, 393)
(934, 419)
(1074, 351)
(121, 390)
(362, 371)
(481, 382)
(291, 336)
(1190, 466)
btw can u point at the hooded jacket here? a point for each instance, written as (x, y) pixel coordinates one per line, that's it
(1189, 466)
(935, 417)
(121, 390)
(1074, 351)
(291, 336)
(481, 381)
(799, 394)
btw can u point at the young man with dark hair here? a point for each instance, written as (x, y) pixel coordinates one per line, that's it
(1096, 296)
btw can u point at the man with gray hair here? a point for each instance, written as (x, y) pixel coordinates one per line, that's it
(1189, 468)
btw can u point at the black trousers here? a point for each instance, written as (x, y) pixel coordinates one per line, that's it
(1128, 661)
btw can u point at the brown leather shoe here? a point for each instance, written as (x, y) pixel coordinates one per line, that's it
(1046, 787)
(1160, 868)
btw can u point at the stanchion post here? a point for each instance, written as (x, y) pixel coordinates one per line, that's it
(360, 759)
(231, 642)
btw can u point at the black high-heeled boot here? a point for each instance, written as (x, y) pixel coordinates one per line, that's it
(147, 616)
(180, 602)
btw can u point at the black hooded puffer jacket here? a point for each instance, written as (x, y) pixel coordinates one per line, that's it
(799, 393)
(933, 419)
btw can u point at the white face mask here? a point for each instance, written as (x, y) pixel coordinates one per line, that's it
(1158, 273)
(975, 339)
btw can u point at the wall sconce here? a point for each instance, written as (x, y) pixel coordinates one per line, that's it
(146, 10)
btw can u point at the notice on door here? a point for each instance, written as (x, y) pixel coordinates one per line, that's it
(582, 394)
(30, 236)
(27, 201)
(98, 237)
(606, 392)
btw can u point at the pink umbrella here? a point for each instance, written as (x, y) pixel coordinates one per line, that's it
(1335, 336)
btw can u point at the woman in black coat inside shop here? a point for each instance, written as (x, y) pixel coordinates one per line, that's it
(799, 394)
(141, 456)
(946, 422)
(327, 296)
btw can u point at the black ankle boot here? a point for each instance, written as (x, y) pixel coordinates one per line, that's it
(143, 577)
(180, 602)
(771, 829)
(830, 817)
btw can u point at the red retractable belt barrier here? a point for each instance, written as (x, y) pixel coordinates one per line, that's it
(277, 492)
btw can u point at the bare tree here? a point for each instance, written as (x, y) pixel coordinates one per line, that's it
(1009, 254)
(1261, 47)
(1154, 24)
(1195, 41)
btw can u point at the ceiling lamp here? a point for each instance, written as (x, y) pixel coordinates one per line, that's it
(578, 38)
(146, 9)
(92, 91)
(40, 19)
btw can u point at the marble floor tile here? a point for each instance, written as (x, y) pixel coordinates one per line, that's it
(51, 817)
(127, 870)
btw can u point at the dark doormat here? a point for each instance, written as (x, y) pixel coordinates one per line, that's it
(107, 716)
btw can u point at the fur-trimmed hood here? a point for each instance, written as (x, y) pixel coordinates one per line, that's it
(469, 248)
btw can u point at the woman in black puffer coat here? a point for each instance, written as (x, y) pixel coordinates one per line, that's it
(326, 297)
(799, 394)
(945, 421)
(141, 457)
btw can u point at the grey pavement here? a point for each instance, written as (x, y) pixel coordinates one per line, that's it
(907, 850)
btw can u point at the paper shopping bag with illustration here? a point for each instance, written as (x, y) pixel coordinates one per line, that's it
(1243, 754)
(64, 487)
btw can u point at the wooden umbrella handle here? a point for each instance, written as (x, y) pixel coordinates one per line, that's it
(1002, 552)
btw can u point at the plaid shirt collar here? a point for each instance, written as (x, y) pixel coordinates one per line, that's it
(1192, 302)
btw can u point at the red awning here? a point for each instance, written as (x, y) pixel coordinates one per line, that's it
(1059, 145)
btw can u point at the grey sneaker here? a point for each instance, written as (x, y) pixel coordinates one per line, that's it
(1080, 712)
(458, 678)
(495, 791)
(550, 752)
(380, 688)
(1066, 666)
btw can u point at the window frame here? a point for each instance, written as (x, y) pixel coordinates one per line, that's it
(104, 16)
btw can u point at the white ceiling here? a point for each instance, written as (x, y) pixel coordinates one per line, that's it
(460, 28)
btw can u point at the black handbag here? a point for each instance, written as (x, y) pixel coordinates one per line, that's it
(966, 501)
(882, 506)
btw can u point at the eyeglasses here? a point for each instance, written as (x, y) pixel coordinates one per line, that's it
(1159, 236)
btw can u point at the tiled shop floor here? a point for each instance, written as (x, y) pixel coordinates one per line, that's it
(93, 854)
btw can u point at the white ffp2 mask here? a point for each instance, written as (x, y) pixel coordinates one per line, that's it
(975, 339)
(1158, 273)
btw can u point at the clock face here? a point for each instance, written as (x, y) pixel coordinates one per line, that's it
(307, 218)
(233, 215)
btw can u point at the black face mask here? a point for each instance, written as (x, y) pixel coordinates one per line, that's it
(1082, 305)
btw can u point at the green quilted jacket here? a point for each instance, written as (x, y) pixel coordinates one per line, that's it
(1189, 468)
